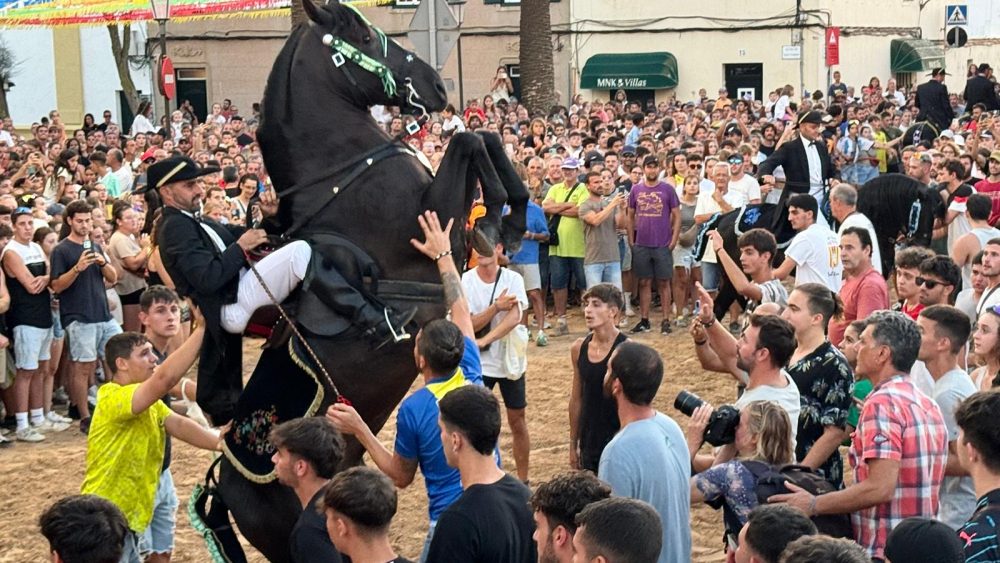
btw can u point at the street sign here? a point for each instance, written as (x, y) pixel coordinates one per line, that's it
(168, 82)
(832, 46)
(433, 32)
(791, 52)
(956, 37)
(956, 14)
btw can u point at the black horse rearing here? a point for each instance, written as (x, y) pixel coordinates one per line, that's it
(338, 173)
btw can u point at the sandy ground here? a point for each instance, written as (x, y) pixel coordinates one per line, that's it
(32, 476)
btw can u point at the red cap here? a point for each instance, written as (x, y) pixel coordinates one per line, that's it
(148, 154)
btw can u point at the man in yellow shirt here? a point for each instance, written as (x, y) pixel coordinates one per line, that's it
(125, 446)
(566, 258)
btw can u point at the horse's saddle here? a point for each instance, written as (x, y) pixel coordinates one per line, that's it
(334, 257)
(337, 261)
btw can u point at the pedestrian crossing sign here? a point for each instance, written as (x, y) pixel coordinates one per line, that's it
(956, 14)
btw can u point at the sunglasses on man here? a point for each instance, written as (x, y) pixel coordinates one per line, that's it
(931, 284)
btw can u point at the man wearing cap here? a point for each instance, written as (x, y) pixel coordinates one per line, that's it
(932, 101)
(654, 227)
(628, 160)
(723, 100)
(566, 257)
(208, 262)
(807, 167)
(740, 182)
(979, 89)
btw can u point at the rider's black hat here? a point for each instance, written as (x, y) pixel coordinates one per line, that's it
(174, 169)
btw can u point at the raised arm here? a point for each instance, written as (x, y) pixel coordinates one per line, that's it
(437, 247)
(169, 373)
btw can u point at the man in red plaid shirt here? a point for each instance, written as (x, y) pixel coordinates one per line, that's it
(900, 447)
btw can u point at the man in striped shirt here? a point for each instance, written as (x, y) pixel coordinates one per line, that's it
(900, 448)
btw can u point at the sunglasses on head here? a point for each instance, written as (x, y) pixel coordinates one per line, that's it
(931, 284)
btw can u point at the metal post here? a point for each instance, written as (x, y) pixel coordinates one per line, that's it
(163, 54)
(432, 34)
(461, 83)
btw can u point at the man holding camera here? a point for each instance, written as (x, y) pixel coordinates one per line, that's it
(648, 460)
(762, 352)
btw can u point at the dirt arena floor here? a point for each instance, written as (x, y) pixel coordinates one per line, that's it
(32, 476)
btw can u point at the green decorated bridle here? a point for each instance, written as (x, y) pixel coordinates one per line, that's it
(344, 51)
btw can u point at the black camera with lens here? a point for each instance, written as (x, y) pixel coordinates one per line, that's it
(721, 427)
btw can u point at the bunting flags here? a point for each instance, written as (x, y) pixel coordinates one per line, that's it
(59, 13)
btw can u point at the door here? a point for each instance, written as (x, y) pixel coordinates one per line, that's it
(191, 85)
(514, 72)
(745, 78)
(643, 97)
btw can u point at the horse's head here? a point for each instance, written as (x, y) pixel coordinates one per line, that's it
(378, 70)
(900, 208)
(923, 212)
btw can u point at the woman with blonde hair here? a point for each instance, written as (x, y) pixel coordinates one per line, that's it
(764, 435)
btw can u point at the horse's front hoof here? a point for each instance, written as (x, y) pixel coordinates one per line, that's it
(485, 237)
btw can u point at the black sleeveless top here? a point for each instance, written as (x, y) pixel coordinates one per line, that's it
(598, 414)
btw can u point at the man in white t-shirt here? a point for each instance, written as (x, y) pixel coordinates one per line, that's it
(496, 299)
(944, 332)
(814, 253)
(719, 200)
(844, 207)
(740, 182)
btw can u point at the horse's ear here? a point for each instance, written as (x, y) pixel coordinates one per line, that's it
(316, 14)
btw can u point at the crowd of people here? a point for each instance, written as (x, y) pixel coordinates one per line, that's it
(821, 350)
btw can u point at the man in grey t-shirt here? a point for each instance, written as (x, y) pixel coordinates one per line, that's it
(648, 459)
(944, 330)
(601, 261)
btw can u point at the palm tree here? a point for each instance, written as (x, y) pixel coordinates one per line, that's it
(537, 73)
(8, 68)
(298, 12)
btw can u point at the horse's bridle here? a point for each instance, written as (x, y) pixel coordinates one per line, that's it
(344, 51)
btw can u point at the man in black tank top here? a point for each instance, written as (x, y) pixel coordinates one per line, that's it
(593, 418)
(30, 319)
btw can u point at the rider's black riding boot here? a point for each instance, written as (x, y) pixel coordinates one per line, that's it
(381, 324)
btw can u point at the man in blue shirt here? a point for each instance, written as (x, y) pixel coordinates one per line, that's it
(447, 357)
(648, 459)
(525, 262)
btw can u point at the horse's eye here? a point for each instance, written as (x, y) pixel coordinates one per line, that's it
(367, 39)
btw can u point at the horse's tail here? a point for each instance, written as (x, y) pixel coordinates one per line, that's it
(212, 522)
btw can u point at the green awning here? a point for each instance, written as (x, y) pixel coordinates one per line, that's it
(630, 71)
(915, 55)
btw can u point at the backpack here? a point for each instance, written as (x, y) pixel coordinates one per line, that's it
(771, 481)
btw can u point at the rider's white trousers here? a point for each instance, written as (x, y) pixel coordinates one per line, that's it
(282, 271)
